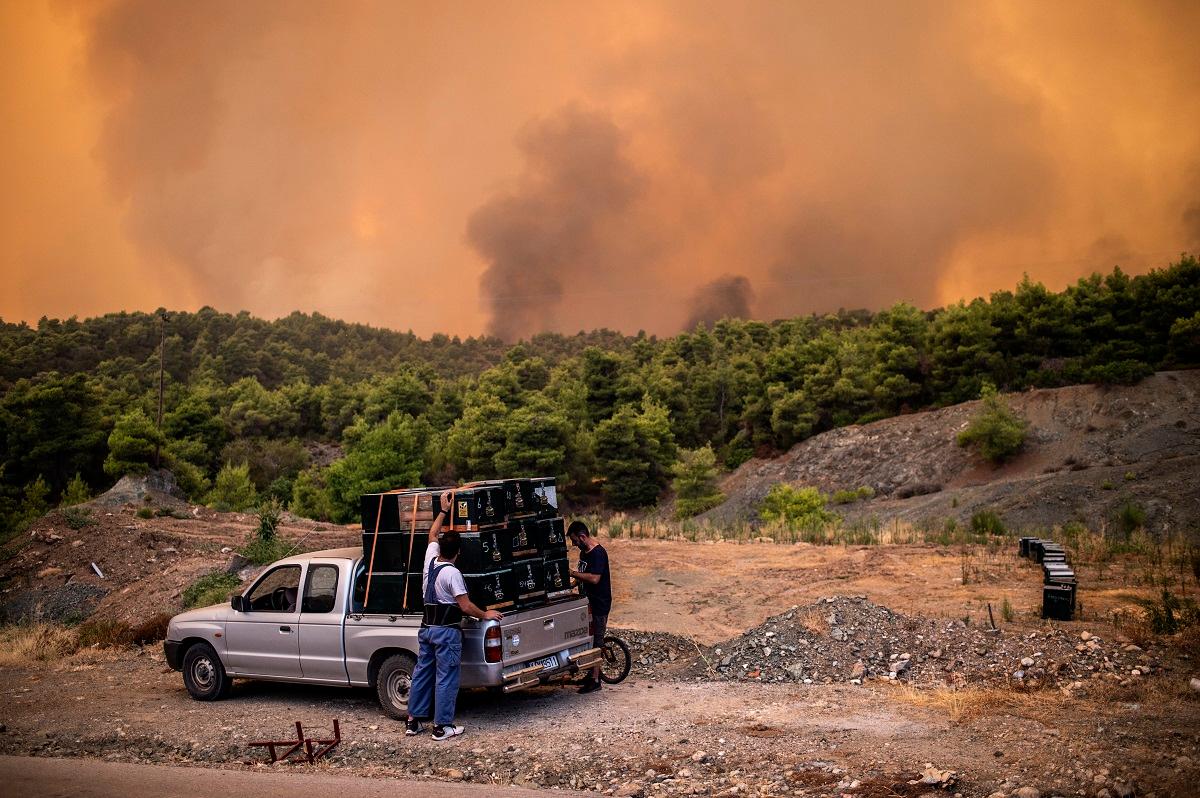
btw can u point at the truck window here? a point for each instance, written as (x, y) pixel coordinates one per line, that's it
(321, 590)
(277, 590)
(360, 588)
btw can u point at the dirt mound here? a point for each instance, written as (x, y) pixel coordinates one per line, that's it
(1090, 449)
(107, 560)
(851, 639)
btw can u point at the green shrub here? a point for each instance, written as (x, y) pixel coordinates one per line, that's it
(987, 522)
(851, 496)
(145, 512)
(78, 517)
(309, 496)
(795, 506)
(1006, 611)
(696, 482)
(264, 552)
(280, 489)
(269, 513)
(212, 588)
(1131, 517)
(77, 492)
(233, 490)
(996, 432)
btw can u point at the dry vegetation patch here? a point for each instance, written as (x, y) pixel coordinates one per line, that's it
(33, 643)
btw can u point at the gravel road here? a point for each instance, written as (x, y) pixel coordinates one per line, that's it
(81, 778)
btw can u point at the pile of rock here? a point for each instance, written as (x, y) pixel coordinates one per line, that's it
(657, 654)
(851, 639)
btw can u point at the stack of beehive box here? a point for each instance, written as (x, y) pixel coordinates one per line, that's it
(514, 546)
(1059, 585)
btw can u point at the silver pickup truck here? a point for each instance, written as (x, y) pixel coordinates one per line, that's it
(301, 621)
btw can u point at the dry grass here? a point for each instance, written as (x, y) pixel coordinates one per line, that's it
(33, 643)
(1132, 623)
(973, 702)
(1156, 690)
(105, 633)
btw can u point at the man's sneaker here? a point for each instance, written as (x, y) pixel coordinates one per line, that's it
(446, 732)
(590, 686)
(412, 727)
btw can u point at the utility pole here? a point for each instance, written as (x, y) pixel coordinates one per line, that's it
(162, 340)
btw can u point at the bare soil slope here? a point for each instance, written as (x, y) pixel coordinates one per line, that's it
(1089, 450)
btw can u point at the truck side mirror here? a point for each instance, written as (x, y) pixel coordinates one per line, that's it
(238, 603)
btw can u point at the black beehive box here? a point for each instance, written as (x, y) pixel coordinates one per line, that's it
(386, 594)
(530, 577)
(1058, 601)
(545, 496)
(519, 540)
(480, 552)
(1044, 547)
(551, 535)
(1024, 545)
(394, 551)
(519, 499)
(557, 574)
(493, 590)
(482, 505)
(1057, 572)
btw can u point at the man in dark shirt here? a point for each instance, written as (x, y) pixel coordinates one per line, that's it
(595, 584)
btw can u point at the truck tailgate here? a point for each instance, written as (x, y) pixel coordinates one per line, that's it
(545, 631)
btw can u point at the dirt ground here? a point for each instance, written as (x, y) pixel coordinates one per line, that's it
(711, 591)
(646, 736)
(662, 732)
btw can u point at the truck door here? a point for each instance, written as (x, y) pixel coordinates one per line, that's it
(321, 615)
(264, 640)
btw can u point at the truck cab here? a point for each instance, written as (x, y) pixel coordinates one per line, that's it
(302, 621)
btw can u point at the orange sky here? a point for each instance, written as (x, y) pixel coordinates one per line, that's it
(470, 167)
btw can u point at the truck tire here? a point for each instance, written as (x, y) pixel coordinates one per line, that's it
(392, 684)
(203, 674)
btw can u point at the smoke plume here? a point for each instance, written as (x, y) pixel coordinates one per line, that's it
(562, 227)
(727, 297)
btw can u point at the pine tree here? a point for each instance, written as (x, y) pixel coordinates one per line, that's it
(132, 445)
(696, 482)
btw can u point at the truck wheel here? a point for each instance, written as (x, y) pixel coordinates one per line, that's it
(204, 675)
(392, 684)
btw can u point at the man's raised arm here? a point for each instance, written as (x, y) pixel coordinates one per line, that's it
(436, 527)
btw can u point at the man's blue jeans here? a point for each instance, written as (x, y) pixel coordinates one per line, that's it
(440, 649)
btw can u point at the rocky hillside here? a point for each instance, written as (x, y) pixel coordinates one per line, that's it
(1090, 450)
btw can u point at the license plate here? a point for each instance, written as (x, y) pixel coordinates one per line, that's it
(549, 663)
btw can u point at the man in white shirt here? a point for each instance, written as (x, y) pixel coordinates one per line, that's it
(440, 639)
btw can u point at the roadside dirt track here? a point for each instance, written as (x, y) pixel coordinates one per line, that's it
(645, 737)
(50, 778)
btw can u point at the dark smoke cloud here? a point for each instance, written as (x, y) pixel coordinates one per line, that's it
(727, 297)
(564, 226)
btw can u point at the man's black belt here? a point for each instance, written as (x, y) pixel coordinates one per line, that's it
(442, 615)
